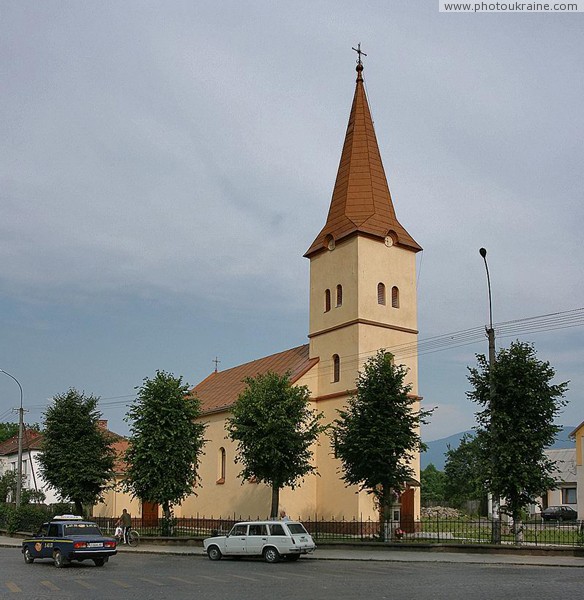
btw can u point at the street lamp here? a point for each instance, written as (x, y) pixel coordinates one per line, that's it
(496, 534)
(490, 329)
(20, 435)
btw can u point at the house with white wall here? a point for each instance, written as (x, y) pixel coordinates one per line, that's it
(565, 476)
(31, 475)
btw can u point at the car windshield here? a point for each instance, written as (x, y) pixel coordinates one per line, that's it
(82, 529)
(296, 528)
(238, 530)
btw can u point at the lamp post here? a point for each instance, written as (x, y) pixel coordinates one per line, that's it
(496, 533)
(20, 436)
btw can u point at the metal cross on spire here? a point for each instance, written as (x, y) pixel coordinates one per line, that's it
(216, 361)
(359, 52)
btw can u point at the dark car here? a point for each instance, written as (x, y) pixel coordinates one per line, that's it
(67, 538)
(559, 513)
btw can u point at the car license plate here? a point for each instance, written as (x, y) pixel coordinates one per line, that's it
(95, 545)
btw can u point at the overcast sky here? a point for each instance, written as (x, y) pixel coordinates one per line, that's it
(165, 165)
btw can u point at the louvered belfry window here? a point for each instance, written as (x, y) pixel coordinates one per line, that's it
(395, 297)
(380, 293)
(339, 295)
(327, 300)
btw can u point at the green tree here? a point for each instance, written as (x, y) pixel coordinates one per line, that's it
(165, 444)
(432, 481)
(8, 486)
(464, 473)
(77, 459)
(377, 432)
(275, 430)
(8, 430)
(517, 424)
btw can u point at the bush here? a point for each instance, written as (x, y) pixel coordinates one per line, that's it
(29, 517)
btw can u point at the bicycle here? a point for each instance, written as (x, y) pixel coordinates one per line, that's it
(133, 538)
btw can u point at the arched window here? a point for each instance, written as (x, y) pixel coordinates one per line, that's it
(327, 300)
(336, 368)
(394, 297)
(221, 466)
(380, 293)
(339, 295)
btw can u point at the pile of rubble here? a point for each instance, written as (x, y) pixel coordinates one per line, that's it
(440, 512)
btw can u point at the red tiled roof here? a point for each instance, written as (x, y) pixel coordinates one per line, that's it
(220, 390)
(361, 201)
(32, 440)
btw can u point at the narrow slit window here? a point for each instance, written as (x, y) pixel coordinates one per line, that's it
(327, 300)
(380, 293)
(339, 295)
(395, 297)
(336, 368)
(221, 465)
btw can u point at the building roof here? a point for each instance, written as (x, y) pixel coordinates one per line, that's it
(565, 459)
(31, 440)
(361, 201)
(221, 389)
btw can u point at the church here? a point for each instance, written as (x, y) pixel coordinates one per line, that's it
(362, 298)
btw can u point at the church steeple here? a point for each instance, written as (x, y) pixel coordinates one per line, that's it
(361, 201)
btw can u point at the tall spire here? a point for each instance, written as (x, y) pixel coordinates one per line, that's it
(361, 201)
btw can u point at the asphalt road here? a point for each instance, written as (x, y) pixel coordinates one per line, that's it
(140, 576)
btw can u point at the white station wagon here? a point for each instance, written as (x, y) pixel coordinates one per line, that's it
(271, 539)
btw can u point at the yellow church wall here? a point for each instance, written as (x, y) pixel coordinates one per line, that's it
(392, 266)
(225, 499)
(114, 501)
(375, 337)
(327, 270)
(335, 499)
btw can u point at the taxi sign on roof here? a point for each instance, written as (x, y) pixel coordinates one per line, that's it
(67, 518)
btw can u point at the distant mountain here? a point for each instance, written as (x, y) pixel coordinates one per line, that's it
(436, 453)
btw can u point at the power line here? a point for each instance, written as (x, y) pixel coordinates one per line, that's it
(439, 343)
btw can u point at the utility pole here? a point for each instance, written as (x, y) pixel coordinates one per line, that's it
(496, 532)
(20, 436)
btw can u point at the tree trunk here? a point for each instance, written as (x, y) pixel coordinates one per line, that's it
(78, 507)
(518, 528)
(166, 510)
(385, 513)
(275, 501)
(167, 519)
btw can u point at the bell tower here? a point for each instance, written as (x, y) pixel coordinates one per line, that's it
(362, 267)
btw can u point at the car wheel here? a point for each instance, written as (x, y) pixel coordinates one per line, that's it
(292, 557)
(28, 559)
(214, 553)
(271, 555)
(99, 562)
(60, 560)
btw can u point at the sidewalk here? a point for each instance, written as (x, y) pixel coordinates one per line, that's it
(377, 555)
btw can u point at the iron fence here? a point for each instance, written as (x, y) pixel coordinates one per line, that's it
(470, 530)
